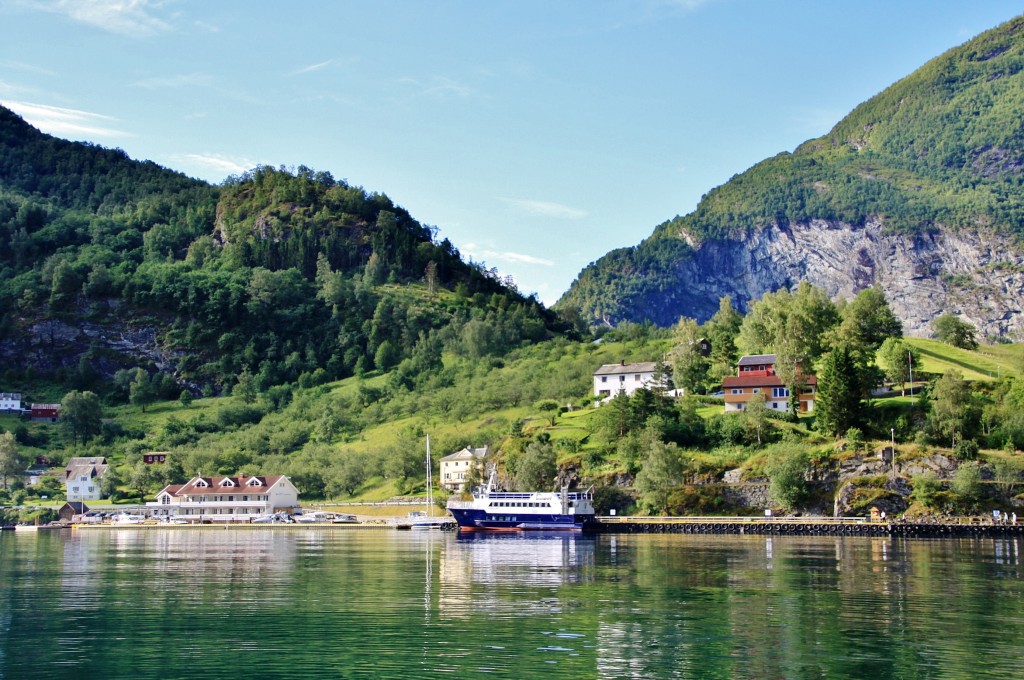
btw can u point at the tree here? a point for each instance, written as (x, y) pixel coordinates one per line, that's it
(386, 356)
(12, 460)
(952, 410)
(756, 415)
(867, 321)
(840, 401)
(185, 398)
(536, 468)
(662, 470)
(1008, 473)
(375, 271)
(721, 331)
(245, 387)
(141, 392)
(347, 473)
(431, 278)
(896, 358)
(81, 415)
(689, 365)
(550, 408)
(787, 480)
(951, 330)
(966, 485)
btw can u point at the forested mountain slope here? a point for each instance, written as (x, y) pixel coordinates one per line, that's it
(918, 190)
(109, 263)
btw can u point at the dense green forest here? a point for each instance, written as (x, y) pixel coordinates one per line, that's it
(941, 149)
(286, 274)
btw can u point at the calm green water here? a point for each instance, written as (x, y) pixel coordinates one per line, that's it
(286, 603)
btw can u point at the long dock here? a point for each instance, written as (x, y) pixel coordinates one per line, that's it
(801, 526)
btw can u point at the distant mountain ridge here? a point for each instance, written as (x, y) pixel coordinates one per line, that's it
(919, 190)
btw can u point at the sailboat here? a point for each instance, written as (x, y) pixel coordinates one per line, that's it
(426, 520)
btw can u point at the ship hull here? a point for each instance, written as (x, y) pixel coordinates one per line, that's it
(470, 519)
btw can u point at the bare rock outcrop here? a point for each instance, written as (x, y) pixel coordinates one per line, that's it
(977, 274)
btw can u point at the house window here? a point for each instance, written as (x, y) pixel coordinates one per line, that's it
(622, 378)
(757, 390)
(636, 378)
(736, 390)
(780, 392)
(604, 378)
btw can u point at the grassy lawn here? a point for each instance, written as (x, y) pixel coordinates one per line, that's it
(986, 363)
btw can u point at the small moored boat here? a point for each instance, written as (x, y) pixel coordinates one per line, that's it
(315, 517)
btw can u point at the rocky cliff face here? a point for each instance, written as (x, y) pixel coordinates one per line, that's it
(978, 275)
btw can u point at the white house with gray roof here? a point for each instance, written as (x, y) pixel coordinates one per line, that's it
(611, 379)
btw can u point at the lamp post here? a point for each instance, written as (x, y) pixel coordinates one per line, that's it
(892, 434)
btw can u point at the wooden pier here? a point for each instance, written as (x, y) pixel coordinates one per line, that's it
(803, 526)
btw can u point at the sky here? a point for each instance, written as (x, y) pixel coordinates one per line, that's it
(536, 135)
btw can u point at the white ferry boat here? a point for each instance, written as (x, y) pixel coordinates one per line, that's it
(524, 510)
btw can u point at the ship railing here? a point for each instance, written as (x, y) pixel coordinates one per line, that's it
(460, 505)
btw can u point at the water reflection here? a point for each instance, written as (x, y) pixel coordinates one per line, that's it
(311, 604)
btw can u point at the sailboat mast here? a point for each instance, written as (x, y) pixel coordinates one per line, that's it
(430, 487)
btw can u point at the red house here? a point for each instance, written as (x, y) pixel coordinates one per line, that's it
(756, 375)
(45, 412)
(154, 457)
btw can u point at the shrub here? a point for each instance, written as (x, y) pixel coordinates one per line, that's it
(966, 449)
(925, 491)
(607, 498)
(788, 486)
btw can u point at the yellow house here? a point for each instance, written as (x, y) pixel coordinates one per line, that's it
(456, 467)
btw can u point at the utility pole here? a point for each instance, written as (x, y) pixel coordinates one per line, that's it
(910, 362)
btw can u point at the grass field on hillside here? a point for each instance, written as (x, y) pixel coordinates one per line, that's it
(988, 362)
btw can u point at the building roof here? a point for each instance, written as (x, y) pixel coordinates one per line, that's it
(622, 367)
(95, 466)
(466, 454)
(757, 359)
(202, 486)
(78, 507)
(172, 489)
(761, 381)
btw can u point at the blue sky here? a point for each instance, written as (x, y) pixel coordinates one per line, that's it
(536, 135)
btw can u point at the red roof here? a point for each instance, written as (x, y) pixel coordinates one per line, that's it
(761, 381)
(222, 485)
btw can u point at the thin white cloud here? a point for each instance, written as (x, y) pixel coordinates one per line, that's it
(22, 66)
(205, 26)
(312, 67)
(438, 87)
(64, 122)
(215, 163)
(180, 80)
(135, 18)
(546, 209)
(478, 252)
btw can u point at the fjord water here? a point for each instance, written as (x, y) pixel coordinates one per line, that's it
(314, 603)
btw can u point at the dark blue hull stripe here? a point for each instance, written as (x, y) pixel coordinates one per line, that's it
(481, 519)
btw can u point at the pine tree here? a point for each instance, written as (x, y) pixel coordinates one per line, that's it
(839, 404)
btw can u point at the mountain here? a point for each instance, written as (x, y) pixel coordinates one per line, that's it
(110, 264)
(918, 190)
